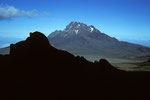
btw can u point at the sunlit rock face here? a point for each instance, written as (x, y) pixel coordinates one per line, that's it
(79, 38)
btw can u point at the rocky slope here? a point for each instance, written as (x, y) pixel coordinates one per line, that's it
(80, 39)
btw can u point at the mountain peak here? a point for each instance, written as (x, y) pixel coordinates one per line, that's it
(76, 27)
(76, 24)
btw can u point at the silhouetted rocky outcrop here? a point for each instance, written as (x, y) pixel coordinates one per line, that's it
(35, 44)
(35, 70)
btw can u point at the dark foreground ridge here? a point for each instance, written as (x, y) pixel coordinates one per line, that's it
(35, 70)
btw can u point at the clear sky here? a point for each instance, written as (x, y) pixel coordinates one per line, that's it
(127, 20)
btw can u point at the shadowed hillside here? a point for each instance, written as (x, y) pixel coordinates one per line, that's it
(35, 70)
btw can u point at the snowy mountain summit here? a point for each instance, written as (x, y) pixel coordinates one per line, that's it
(77, 27)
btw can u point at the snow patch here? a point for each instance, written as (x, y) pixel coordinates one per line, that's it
(76, 31)
(91, 29)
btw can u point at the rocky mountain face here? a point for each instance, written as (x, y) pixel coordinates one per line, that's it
(80, 39)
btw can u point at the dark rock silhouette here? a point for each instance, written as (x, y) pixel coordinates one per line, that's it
(35, 70)
(34, 44)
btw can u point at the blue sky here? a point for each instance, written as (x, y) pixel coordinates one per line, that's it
(127, 20)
